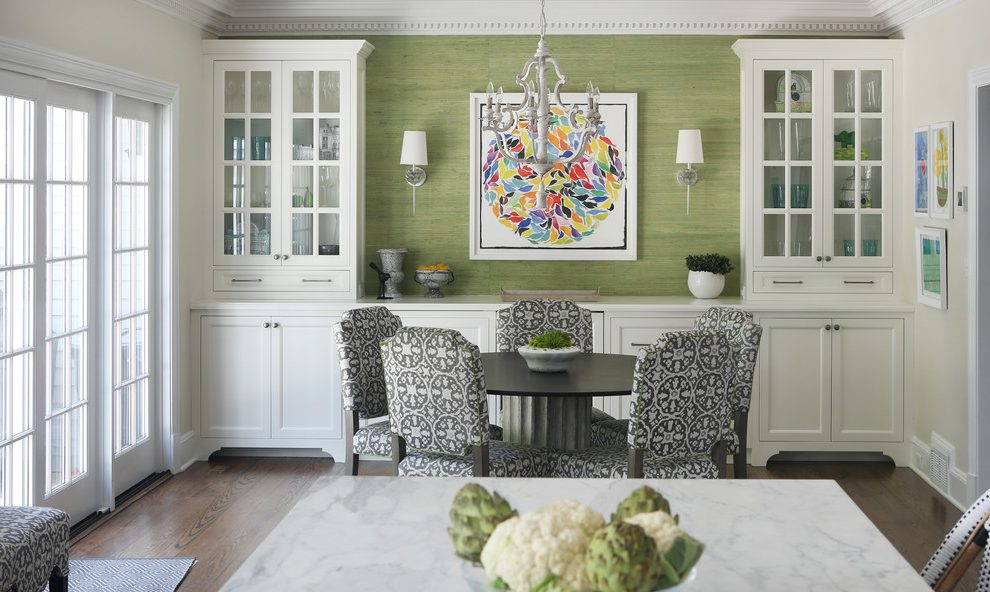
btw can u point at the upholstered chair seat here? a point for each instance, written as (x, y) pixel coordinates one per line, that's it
(375, 439)
(613, 462)
(34, 549)
(506, 459)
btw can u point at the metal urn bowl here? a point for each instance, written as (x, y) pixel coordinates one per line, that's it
(433, 280)
(548, 360)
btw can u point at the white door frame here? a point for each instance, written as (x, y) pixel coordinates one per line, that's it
(979, 353)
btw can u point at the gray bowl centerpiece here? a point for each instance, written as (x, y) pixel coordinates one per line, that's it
(434, 277)
(552, 351)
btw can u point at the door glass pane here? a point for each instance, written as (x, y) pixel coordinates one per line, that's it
(872, 234)
(16, 139)
(261, 139)
(131, 161)
(774, 188)
(844, 91)
(261, 187)
(302, 234)
(302, 186)
(871, 90)
(801, 232)
(131, 216)
(844, 231)
(66, 220)
(233, 186)
(871, 187)
(329, 187)
(773, 139)
(233, 92)
(801, 188)
(16, 395)
(233, 233)
(799, 91)
(329, 234)
(130, 348)
(17, 298)
(302, 92)
(261, 92)
(66, 296)
(774, 235)
(16, 223)
(772, 103)
(330, 91)
(302, 139)
(844, 139)
(261, 234)
(131, 279)
(66, 371)
(17, 477)
(871, 144)
(330, 139)
(801, 140)
(233, 144)
(844, 187)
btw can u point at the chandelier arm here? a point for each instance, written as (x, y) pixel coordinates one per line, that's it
(504, 151)
(579, 152)
(561, 81)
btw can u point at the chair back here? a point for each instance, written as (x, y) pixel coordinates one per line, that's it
(744, 335)
(680, 403)
(938, 567)
(515, 325)
(358, 337)
(436, 390)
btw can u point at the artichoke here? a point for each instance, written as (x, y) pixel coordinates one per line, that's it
(644, 499)
(622, 558)
(474, 515)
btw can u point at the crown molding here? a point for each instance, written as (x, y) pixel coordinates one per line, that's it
(868, 18)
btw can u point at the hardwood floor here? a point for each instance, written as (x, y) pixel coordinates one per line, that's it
(219, 511)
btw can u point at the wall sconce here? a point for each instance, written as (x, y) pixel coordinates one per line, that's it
(689, 152)
(414, 154)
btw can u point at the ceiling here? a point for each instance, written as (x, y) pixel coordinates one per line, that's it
(479, 17)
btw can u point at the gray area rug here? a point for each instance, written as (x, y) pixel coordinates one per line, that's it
(127, 575)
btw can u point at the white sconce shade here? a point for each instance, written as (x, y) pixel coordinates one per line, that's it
(688, 147)
(414, 149)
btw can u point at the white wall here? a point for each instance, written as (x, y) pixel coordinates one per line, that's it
(130, 35)
(940, 50)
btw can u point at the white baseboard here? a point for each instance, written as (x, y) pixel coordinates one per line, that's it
(962, 485)
(184, 453)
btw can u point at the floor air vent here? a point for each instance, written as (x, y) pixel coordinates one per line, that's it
(940, 462)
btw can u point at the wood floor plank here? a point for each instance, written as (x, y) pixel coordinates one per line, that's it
(220, 511)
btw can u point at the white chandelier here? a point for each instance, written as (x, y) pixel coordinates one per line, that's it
(535, 109)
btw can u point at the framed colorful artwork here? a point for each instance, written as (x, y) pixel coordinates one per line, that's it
(591, 203)
(922, 168)
(931, 272)
(941, 171)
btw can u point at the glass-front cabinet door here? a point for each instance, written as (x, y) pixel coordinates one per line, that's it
(247, 137)
(858, 210)
(788, 215)
(313, 222)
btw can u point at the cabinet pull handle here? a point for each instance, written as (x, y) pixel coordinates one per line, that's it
(818, 258)
(828, 327)
(309, 281)
(239, 280)
(277, 256)
(836, 326)
(641, 344)
(274, 325)
(828, 258)
(285, 257)
(788, 282)
(858, 282)
(267, 325)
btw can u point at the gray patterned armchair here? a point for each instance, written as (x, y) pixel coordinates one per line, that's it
(679, 413)
(438, 410)
(34, 549)
(515, 325)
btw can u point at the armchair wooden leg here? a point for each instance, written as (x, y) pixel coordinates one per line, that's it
(481, 466)
(58, 583)
(635, 468)
(398, 452)
(720, 458)
(741, 424)
(351, 459)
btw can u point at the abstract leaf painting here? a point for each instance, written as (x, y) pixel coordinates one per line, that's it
(922, 165)
(941, 170)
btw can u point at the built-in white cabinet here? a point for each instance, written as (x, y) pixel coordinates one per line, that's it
(828, 383)
(288, 128)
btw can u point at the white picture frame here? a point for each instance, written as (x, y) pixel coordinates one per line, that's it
(611, 238)
(941, 194)
(931, 273)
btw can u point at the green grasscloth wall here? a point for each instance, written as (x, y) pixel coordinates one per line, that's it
(422, 82)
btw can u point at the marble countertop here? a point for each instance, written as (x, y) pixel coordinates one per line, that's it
(389, 533)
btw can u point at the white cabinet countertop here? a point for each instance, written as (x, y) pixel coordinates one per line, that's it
(390, 533)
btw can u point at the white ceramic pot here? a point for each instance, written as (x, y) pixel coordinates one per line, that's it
(548, 360)
(705, 284)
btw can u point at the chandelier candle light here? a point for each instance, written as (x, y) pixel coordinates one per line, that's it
(501, 118)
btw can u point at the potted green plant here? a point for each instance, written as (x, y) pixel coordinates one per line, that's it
(549, 352)
(706, 274)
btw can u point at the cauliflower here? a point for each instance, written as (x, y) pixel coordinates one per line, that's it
(524, 551)
(659, 526)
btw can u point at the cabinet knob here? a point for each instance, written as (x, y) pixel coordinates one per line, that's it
(275, 325)
(828, 257)
(818, 258)
(277, 256)
(836, 327)
(828, 327)
(266, 325)
(284, 257)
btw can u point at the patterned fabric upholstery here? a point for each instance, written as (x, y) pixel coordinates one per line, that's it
(33, 543)
(680, 385)
(506, 459)
(436, 390)
(612, 432)
(954, 542)
(358, 336)
(376, 440)
(612, 463)
(744, 335)
(517, 324)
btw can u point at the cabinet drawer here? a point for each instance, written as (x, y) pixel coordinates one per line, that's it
(281, 281)
(823, 282)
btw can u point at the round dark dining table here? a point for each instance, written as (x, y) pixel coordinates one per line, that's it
(554, 409)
